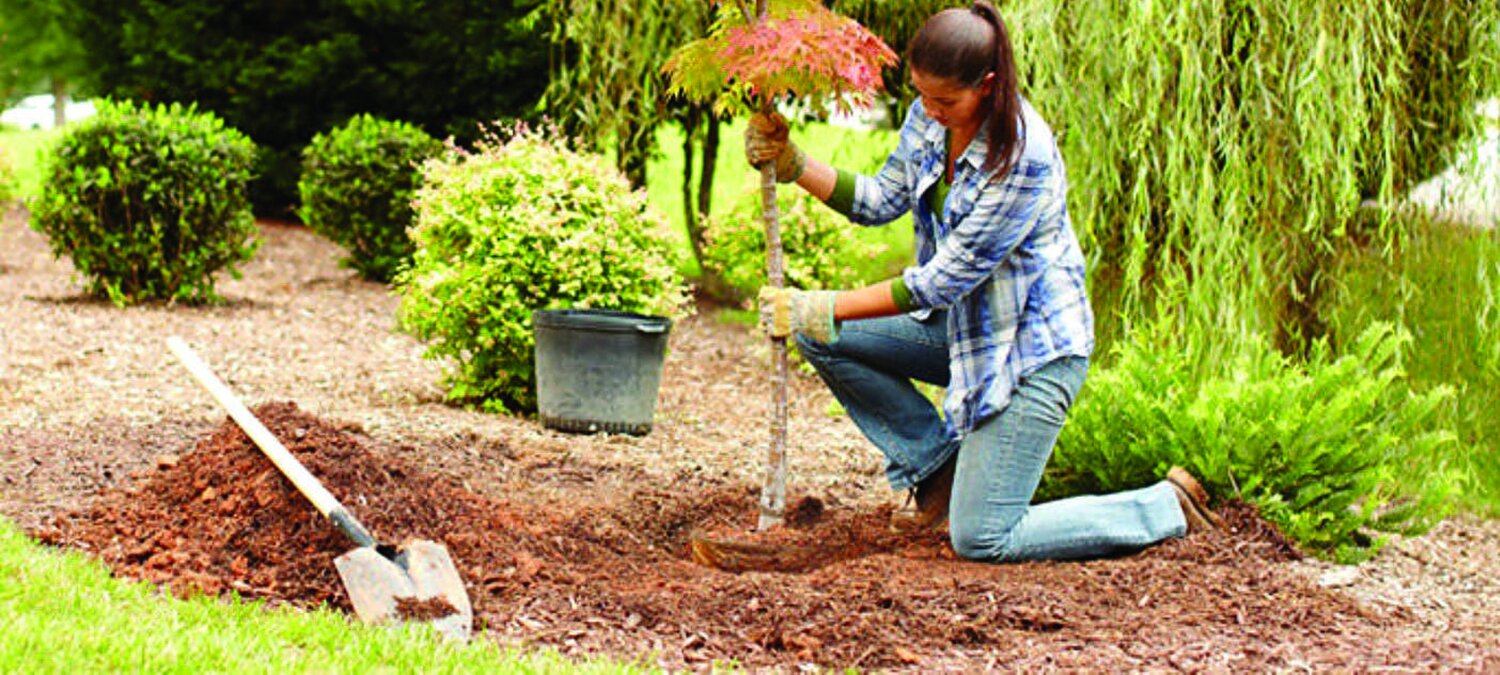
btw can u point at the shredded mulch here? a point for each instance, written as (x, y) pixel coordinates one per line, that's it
(617, 579)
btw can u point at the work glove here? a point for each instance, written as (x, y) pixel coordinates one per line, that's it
(767, 139)
(784, 311)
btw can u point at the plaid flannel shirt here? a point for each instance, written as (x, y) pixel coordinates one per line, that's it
(1002, 258)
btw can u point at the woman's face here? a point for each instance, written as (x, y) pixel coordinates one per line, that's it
(954, 106)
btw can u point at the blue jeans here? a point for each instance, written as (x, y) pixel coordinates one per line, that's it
(870, 368)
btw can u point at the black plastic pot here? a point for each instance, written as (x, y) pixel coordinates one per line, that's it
(598, 370)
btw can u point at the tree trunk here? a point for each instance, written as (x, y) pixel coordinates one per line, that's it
(710, 163)
(689, 213)
(710, 282)
(773, 495)
(59, 102)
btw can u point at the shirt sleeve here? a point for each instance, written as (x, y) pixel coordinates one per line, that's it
(1005, 214)
(885, 196)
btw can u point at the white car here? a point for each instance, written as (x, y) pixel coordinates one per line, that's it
(35, 112)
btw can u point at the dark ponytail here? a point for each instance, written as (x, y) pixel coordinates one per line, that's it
(965, 45)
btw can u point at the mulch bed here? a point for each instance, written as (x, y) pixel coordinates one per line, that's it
(617, 578)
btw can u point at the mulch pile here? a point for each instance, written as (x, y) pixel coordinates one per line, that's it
(620, 581)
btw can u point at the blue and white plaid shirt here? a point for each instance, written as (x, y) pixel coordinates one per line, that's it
(1003, 259)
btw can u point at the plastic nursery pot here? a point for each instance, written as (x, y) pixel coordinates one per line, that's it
(598, 370)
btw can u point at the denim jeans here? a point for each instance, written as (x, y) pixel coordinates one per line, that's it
(870, 368)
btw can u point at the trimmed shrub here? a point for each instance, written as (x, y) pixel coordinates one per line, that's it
(356, 187)
(1326, 450)
(820, 247)
(521, 224)
(149, 202)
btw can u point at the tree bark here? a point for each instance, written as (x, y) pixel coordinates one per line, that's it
(59, 102)
(773, 495)
(710, 164)
(689, 213)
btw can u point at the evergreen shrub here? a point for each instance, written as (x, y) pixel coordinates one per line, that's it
(1329, 451)
(356, 187)
(284, 71)
(525, 223)
(149, 202)
(821, 248)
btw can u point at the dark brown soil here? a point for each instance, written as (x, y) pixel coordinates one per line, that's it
(618, 579)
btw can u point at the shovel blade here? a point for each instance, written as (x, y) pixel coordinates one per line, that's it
(433, 575)
(374, 584)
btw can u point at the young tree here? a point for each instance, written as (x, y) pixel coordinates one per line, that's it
(751, 59)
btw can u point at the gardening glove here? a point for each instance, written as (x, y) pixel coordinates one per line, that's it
(784, 311)
(767, 139)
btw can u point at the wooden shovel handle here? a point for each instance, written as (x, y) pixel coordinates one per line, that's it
(306, 483)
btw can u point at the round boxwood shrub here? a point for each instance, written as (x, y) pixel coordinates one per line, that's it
(821, 248)
(356, 187)
(149, 202)
(526, 223)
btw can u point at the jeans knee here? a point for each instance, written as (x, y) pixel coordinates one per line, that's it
(974, 541)
(815, 352)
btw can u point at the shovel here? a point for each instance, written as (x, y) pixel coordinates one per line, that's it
(379, 578)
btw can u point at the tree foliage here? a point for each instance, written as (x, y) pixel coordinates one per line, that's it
(37, 50)
(895, 21)
(284, 71)
(1220, 152)
(800, 49)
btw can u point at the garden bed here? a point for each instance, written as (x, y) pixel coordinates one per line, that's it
(580, 543)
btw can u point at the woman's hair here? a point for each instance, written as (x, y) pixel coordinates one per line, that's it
(965, 45)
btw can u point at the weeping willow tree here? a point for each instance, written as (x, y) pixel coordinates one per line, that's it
(1220, 150)
(606, 85)
(608, 89)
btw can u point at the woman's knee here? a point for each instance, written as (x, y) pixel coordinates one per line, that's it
(975, 539)
(814, 351)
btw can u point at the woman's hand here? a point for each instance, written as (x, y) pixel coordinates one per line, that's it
(784, 311)
(768, 139)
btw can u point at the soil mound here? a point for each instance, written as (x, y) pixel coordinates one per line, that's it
(619, 581)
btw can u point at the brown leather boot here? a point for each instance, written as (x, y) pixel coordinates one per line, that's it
(926, 505)
(1194, 501)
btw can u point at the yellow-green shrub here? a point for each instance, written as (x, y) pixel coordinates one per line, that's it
(521, 224)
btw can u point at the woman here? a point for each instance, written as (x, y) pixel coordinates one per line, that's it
(995, 310)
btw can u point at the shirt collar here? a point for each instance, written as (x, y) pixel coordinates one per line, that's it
(936, 137)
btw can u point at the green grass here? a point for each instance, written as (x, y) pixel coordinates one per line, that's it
(61, 612)
(1444, 286)
(852, 149)
(24, 148)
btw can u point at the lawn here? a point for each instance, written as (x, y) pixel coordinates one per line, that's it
(63, 612)
(24, 148)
